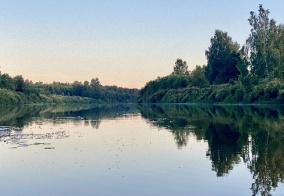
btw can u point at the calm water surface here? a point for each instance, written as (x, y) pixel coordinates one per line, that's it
(143, 150)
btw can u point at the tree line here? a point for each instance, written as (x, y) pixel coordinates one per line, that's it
(17, 89)
(251, 73)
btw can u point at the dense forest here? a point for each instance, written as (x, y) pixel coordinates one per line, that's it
(16, 90)
(253, 73)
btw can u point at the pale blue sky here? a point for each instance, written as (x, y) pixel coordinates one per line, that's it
(125, 43)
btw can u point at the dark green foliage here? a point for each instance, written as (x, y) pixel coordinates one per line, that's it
(223, 58)
(258, 42)
(265, 46)
(6, 82)
(271, 92)
(17, 91)
(198, 77)
(239, 95)
(154, 90)
(281, 96)
(243, 63)
(78, 88)
(180, 68)
(19, 84)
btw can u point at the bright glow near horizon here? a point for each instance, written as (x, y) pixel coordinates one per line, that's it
(123, 43)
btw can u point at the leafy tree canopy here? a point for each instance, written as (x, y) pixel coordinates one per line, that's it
(223, 57)
(180, 68)
(265, 46)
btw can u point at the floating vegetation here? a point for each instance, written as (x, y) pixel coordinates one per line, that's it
(49, 148)
(72, 118)
(37, 143)
(10, 136)
(10, 128)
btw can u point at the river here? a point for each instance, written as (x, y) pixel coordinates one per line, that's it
(163, 149)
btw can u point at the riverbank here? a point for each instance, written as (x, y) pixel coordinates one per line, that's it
(236, 93)
(8, 97)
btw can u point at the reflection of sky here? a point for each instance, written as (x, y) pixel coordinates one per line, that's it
(124, 156)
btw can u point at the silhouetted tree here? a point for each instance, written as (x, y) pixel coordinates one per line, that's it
(223, 57)
(19, 83)
(180, 68)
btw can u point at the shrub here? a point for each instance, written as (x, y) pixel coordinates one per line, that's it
(271, 92)
(281, 95)
(239, 95)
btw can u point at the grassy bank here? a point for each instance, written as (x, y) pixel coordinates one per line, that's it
(264, 93)
(8, 97)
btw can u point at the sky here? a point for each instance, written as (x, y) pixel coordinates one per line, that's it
(122, 42)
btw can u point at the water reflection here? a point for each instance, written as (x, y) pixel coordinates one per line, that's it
(24, 115)
(13, 120)
(235, 134)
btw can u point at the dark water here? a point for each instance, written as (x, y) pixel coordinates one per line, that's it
(143, 150)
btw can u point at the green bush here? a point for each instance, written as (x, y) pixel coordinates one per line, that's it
(281, 96)
(271, 92)
(257, 93)
(239, 95)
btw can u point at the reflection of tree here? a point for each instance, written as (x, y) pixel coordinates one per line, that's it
(181, 137)
(23, 115)
(179, 130)
(95, 124)
(86, 123)
(225, 145)
(252, 134)
(267, 161)
(176, 124)
(18, 116)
